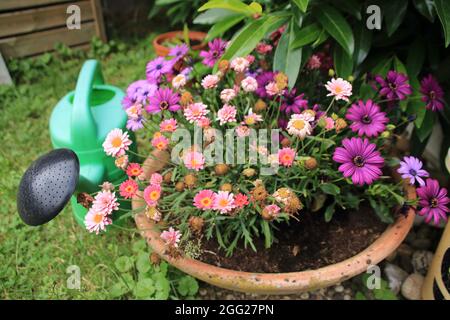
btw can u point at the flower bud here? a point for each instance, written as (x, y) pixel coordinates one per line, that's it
(179, 186)
(249, 172)
(226, 187)
(311, 163)
(190, 180)
(331, 73)
(221, 169)
(340, 125)
(260, 106)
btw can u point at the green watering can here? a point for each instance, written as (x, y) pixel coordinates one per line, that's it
(81, 121)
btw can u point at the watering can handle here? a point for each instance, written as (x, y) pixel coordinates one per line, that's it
(83, 126)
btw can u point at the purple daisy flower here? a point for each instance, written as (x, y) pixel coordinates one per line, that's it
(141, 90)
(290, 103)
(127, 102)
(411, 168)
(216, 50)
(179, 51)
(433, 201)
(158, 67)
(432, 93)
(367, 118)
(263, 79)
(163, 99)
(360, 160)
(135, 124)
(395, 86)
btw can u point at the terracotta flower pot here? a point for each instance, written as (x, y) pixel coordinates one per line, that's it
(161, 50)
(275, 283)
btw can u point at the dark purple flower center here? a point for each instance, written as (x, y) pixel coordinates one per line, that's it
(366, 119)
(412, 172)
(434, 203)
(358, 161)
(432, 95)
(215, 54)
(163, 105)
(159, 66)
(393, 85)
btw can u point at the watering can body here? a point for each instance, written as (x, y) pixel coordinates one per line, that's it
(81, 121)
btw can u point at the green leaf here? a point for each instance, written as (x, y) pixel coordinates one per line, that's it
(360, 296)
(416, 57)
(144, 288)
(232, 5)
(124, 263)
(214, 15)
(363, 42)
(287, 59)
(443, 11)
(267, 234)
(330, 188)
(219, 29)
(187, 286)
(250, 35)
(301, 4)
(139, 245)
(343, 63)
(143, 263)
(426, 8)
(336, 25)
(352, 7)
(329, 212)
(118, 289)
(427, 126)
(306, 35)
(383, 67)
(381, 210)
(394, 13)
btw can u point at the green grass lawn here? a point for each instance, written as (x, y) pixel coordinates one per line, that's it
(33, 260)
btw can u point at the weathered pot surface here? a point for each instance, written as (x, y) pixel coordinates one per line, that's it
(277, 283)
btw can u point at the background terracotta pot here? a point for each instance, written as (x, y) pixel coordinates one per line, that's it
(275, 283)
(161, 50)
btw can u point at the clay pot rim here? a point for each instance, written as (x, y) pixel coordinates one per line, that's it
(193, 35)
(288, 282)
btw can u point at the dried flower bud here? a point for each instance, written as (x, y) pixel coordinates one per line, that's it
(122, 162)
(179, 186)
(311, 163)
(259, 193)
(249, 172)
(340, 124)
(168, 177)
(196, 224)
(221, 169)
(285, 142)
(152, 213)
(226, 187)
(190, 180)
(224, 65)
(266, 215)
(155, 259)
(260, 106)
(85, 199)
(293, 204)
(186, 99)
(351, 78)
(107, 186)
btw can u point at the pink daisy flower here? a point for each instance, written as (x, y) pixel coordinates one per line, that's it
(273, 210)
(226, 114)
(134, 170)
(204, 122)
(272, 89)
(286, 156)
(249, 84)
(156, 178)
(339, 88)
(226, 95)
(210, 81)
(195, 111)
(128, 188)
(171, 237)
(367, 118)
(169, 125)
(242, 131)
(204, 200)
(105, 202)
(314, 62)
(224, 202)
(252, 118)
(96, 221)
(116, 143)
(239, 64)
(135, 111)
(160, 142)
(152, 193)
(194, 160)
(263, 48)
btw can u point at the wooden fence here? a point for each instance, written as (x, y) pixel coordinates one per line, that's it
(30, 27)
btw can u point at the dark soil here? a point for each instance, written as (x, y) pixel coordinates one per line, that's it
(310, 243)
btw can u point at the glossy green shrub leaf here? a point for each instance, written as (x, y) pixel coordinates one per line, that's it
(443, 11)
(212, 16)
(219, 29)
(426, 8)
(301, 4)
(233, 5)
(306, 35)
(330, 188)
(329, 211)
(337, 26)
(416, 57)
(343, 63)
(363, 43)
(394, 14)
(286, 58)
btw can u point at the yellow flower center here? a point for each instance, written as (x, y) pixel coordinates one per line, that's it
(116, 142)
(206, 202)
(298, 124)
(223, 202)
(154, 195)
(98, 218)
(338, 89)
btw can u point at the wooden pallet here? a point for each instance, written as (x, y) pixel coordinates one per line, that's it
(30, 27)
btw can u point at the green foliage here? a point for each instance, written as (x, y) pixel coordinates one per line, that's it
(383, 293)
(177, 12)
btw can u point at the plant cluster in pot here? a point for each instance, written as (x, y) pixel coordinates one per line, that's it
(254, 186)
